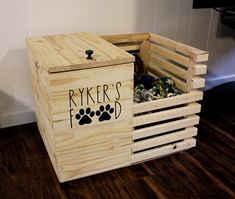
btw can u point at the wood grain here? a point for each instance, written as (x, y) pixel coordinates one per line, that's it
(196, 54)
(127, 38)
(168, 102)
(64, 93)
(165, 127)
(67, 52)
(167, 114)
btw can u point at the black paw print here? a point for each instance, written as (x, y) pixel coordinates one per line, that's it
(85, 117)
(104, 113)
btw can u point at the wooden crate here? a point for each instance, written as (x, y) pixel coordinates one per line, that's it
(85, 110)
(165, 126)
(83, 106)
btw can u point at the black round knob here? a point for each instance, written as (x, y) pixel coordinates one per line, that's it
(89, 53)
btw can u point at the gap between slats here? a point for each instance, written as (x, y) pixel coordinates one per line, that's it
(162, 151)
(165, 127)
(164, 139)
(196, 54)
(166, 115)
(168, 102)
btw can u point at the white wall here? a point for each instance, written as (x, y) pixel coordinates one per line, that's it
(20, 19)
(172, 18)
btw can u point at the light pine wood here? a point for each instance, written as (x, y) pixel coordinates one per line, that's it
(129, 46)
(164, 139)
(41, 94)
(92, 150)
(199, 69)
(92, 137)
(168, 102)
(166, 115)
(196, 54)
(59, 66)
(67, 52)
(144, 54)
(40, 83)
(81, 150)
(38, 73)
(45, 132)
(59, 82)
(198, 82)
(90, 78)
(161, 47)
(170, 55)
(181, 62)
(165, 127)
(73, 171)
(158, 71)
(162, 151)
(168, 66)
(189, 79)
(127, 38)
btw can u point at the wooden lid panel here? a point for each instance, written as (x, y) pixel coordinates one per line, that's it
(67, 52)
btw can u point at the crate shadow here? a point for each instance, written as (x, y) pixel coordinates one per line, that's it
(15, 85)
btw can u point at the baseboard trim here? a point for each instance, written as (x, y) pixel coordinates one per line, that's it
(17, 118)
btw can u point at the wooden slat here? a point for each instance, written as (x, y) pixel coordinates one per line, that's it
(46, 133)
(171, 55)
(40, 97)
(162, 151)
(61, 83)
(73, 171)
(197, 54)
(144, 54)
(129, 46)
(164, 139)
(198, 82)
(168, 126)
(125, 38)
(168, 102)
(155, 69)
(37, 71)
(168, 114)
(45, 125)
(90, 77)
(49, 151)
(168, 66)
(91, 138)
(199, 69)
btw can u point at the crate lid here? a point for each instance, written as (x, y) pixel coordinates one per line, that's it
(68, 51)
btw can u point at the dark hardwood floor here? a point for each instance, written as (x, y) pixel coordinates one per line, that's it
(207, 171)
